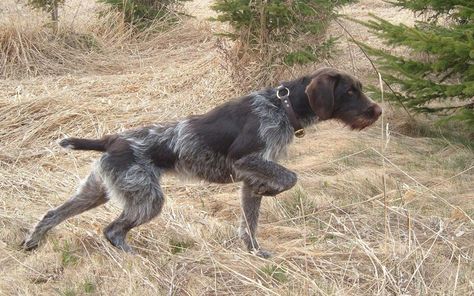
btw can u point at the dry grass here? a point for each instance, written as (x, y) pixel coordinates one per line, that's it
(103, 43)
(29, 47)
(337, 233)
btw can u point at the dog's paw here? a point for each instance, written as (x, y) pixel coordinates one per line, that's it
(265, 189)
(29, 244)
(118, 241)
(262, 253)
(67, 143)
(268, 191)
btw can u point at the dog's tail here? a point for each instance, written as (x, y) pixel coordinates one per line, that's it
(86, 144)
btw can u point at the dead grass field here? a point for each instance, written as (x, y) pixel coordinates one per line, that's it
(341, 231)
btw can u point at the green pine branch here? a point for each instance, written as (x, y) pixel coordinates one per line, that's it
(433, 66)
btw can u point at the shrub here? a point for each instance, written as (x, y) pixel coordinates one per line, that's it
(144, 12)
(275, 33)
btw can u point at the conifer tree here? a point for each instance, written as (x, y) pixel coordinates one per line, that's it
(271, 34)
(144, 12)
(278, 22)
(437, 74)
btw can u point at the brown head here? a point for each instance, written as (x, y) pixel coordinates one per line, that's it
(334, 94)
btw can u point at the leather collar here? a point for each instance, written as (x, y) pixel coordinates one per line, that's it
(283, 93)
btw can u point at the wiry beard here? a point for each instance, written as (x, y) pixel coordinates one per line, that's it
(357, 122)
(361, 122)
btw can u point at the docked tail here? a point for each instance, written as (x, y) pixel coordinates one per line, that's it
(86, 144)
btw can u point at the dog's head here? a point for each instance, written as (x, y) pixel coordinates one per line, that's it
(337, 95)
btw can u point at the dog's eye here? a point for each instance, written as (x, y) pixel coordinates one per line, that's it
(350, 92)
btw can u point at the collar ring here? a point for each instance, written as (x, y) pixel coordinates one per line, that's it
(281, 89)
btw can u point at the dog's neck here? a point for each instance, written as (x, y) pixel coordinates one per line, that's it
(300, 101)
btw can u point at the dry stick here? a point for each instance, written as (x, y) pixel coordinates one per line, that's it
(352, 57)
(305, 243)
(409, 226)
(457, 276)
(375, 68)
(424, 256)
(442, 271)
(382, 149)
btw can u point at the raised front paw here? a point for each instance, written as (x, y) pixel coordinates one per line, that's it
(264, 188)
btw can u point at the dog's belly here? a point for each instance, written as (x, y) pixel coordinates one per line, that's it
(206, 165)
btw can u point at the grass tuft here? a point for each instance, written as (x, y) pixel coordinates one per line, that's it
(89, 287)
(274, 272)
(68, 256)
(179, 246)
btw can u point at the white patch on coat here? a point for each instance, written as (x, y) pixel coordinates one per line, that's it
(275, 129)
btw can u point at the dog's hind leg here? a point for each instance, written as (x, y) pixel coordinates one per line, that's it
(133, 215)
(90, 195)
(143, 200)
(250, 203)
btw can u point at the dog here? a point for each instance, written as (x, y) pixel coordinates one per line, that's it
(238, 141)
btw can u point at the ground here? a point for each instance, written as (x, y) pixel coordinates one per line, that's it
(376, 212)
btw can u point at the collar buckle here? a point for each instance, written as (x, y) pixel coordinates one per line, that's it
(299, 133)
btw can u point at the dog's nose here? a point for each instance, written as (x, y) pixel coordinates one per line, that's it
(377, 110)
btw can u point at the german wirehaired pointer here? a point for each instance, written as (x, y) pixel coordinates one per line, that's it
(240, 140)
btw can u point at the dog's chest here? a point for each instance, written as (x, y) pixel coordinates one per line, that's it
(275, 130)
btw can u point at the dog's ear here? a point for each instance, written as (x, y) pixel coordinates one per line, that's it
(320, 92)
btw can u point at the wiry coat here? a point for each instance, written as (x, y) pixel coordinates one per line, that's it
(240, 140)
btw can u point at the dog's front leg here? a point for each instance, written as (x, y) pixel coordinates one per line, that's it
(260, 177)
(250, 202)
(264, 177)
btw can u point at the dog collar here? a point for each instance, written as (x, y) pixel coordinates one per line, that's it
(283, 93)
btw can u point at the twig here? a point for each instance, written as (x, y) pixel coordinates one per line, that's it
(384, 182)
(457, 275)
